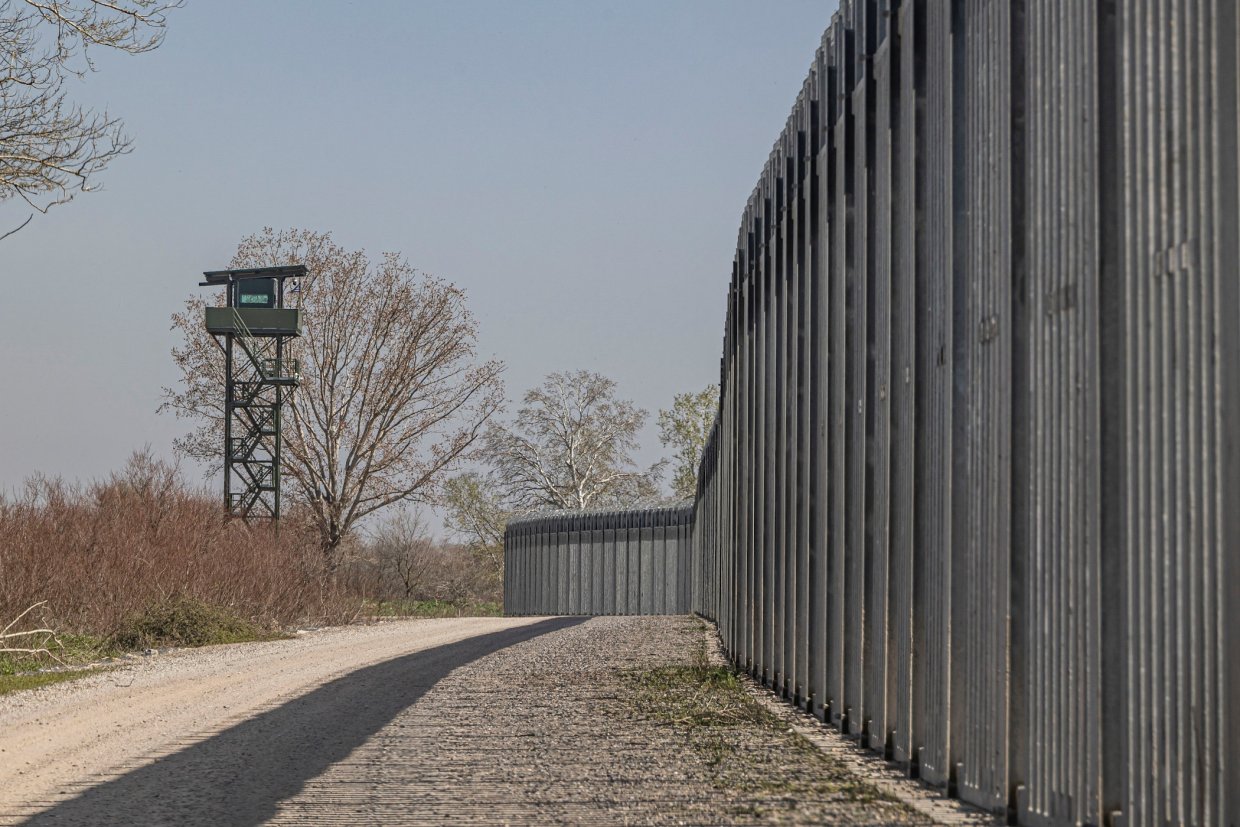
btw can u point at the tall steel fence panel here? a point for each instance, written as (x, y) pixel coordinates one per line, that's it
(753, 442)
(652, 565)
(932, 571)
(632, 540)
(1168, 411)
(598, 580)
(738, 445)
(878, 382)
(665, 567)
(523, 589)
(817, 320)
(727, 453)
(982, 415)
(510, 599)
(802, 450)
(526, 592)
(788, 249)
(768, 408)
(527, 567)
(855, 193)
(512, 603)
(575, 566)
(903, 373)
(562, 569)
(611, 555)
(779, 411)
(687, 558)
(583, 582)
(517, 588)
(1055, 668)
(588, 575)
(534, 546)
(824, 630)
(837, 228)
(746, 439)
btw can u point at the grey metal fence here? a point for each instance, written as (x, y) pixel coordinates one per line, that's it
(973, 492)
(599, 563)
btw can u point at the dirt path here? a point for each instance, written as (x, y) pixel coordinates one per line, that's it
(492, 721)
(58, 741)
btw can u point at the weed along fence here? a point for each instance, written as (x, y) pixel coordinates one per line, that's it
(973, 492)
(599, 563)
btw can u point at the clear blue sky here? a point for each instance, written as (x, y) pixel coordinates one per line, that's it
(579, 167)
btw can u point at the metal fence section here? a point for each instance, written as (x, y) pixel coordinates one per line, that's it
(973, 491)
(599, 563)
(973, 494)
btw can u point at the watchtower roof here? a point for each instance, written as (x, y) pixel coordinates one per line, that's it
(218, 277)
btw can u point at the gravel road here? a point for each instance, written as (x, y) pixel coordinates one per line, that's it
(196, 736)
(477, 720)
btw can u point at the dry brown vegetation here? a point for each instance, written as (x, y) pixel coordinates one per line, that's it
(142, 559)
(104, 553)
(402, 569)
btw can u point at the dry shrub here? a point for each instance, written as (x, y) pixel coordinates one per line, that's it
(105, 552)
(401, 560)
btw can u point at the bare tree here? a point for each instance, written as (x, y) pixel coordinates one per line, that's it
(476, 512)
(50, 147)
(404, 552)
(571, 447)
(684, 428)
(392, 395)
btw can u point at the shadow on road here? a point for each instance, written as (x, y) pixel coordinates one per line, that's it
(238, 776)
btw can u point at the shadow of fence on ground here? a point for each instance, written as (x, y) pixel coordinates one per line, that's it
(239, 776)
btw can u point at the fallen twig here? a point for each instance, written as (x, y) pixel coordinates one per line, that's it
(41, 649)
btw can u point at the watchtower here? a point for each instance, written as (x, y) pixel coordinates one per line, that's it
(252, 330)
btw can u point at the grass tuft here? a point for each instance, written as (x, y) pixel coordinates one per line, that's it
(47, 665)
(699, 696)
(750, 751)
(13, 683)
(63, 650)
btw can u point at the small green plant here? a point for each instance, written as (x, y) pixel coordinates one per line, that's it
(183, 621)
(14, 683)
(749, 750)
(432, 608)
(73, 650)
(27, 651)
(708, 703)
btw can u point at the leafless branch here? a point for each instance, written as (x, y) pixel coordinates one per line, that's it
(20, 226)
(51, 148)
(41, 649)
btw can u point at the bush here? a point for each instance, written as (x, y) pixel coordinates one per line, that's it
(106, 554)
(186, 622)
